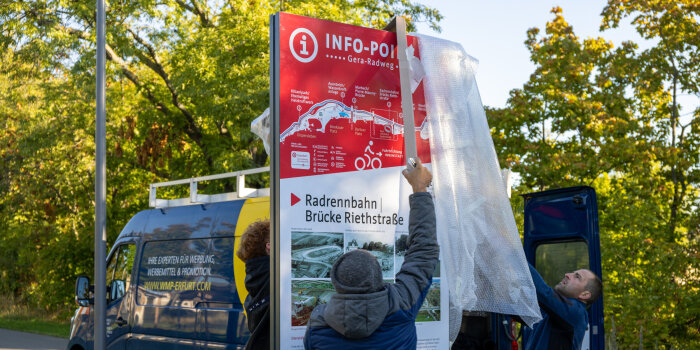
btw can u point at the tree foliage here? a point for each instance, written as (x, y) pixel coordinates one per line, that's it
(608, 117)
(184, 80)
(672, 63)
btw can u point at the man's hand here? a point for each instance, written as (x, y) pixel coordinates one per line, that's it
(419, 177)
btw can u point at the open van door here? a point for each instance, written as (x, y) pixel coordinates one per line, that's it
(561, 235)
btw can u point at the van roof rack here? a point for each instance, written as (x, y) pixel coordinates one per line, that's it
(196, 198)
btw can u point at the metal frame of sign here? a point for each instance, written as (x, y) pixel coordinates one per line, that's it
(275, 272)
(398, 24)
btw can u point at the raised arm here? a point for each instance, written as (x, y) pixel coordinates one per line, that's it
(419, 263)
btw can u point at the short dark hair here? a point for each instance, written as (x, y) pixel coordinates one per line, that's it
(595, 287)
(254, 240)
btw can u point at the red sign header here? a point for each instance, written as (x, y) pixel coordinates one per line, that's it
(340, 99)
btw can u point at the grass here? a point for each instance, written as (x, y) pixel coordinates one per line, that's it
(36, 325)
(19, 317)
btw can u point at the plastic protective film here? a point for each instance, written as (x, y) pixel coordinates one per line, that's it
(261, 127)
(481, 249)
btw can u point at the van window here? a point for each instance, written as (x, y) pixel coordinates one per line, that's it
(111, 266)
(187, 272)
(553, 260)
(119, 270)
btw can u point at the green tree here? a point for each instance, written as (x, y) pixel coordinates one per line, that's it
(597, 115)
(672, 65)
(573, 121)
(46, 186)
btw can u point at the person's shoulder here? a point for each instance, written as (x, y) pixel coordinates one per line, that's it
(258, 260)
(393, 298)
(317, 318)
(577, 309)
(257, 264)
(581, 307)
(581, 316)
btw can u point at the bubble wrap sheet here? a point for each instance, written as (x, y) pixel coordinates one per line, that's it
(261, 127)
(479, 241)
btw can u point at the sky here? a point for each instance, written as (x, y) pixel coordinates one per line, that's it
(494, 33)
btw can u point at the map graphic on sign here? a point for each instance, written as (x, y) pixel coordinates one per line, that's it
(329, 110)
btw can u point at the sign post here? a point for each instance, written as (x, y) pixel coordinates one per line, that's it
(100, 183)
(338, 153)
(406, 96)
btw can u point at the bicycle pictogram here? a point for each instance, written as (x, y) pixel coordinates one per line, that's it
(370, 162)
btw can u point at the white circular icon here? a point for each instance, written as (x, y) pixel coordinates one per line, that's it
(304, 45)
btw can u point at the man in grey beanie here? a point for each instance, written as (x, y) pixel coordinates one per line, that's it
(367, 313)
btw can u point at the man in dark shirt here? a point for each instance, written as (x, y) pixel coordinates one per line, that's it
(564, 316)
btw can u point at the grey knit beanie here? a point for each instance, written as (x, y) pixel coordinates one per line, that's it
(357, 272)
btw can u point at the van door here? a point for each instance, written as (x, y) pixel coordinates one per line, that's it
(561, 235)
(119, 269)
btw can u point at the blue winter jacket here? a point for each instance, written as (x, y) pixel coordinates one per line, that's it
(564, 320)
(386, 319)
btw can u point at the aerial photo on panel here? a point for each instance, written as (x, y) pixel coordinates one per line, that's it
(430, 310)
(401, 244)
(306, 294)
(379, 244)
(313, 253)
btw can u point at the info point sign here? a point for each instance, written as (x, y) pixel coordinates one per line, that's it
(340, 142)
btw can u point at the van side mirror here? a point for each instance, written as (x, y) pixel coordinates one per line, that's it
(82, 291)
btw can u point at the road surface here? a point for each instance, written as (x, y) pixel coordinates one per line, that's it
(13, 340)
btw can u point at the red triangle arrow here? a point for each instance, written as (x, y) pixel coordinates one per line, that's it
(295, 199)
